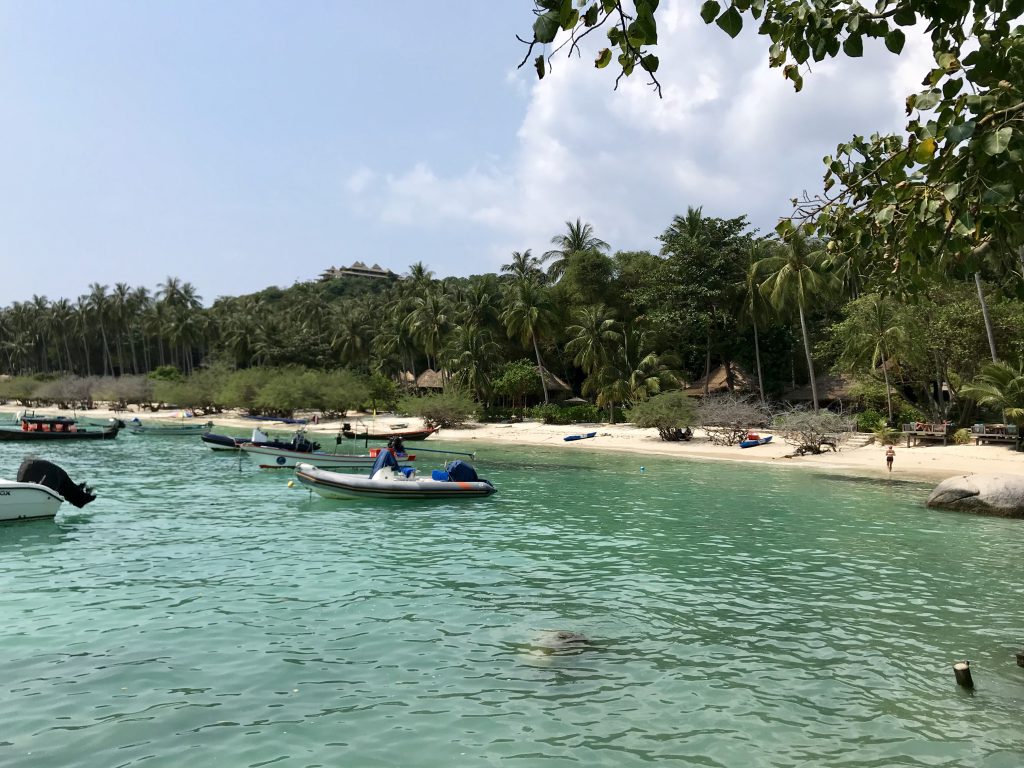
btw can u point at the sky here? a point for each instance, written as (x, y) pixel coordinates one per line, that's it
(238, 145)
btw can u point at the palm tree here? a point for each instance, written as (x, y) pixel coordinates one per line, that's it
(874, 335)
(428, 323)
(798, 275)
(100, 305)
(999, 386)
(523, 266)
(527, 314)
(579, 238)
(593, 336)
(472, 355)
(752, 305)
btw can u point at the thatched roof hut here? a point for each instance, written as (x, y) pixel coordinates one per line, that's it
(551, 382)
(718, 382)
(430, 379)
(831, 388)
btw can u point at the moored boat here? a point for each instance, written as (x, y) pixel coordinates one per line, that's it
(584, 436)
(172, 428)
(407, 434)
(388, 480)
(221, 442)
(755, 440)
(39, 491)
(44, 428)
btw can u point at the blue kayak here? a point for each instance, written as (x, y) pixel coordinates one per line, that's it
(568, 438)
(758, 441)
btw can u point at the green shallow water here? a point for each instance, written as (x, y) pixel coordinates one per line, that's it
(740, 615)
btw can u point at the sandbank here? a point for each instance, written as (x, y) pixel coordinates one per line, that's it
(925, 463)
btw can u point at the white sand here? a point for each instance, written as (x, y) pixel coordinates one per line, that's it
(924, 462)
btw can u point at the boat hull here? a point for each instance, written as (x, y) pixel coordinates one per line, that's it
(754, 443)
(571, 438)
(169, 430)
(27, 501)
(221, 442)
(19, 434)
(412, 434)
(334, 485)
(274, 458)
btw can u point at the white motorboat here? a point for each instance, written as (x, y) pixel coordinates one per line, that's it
(387, 480)
(270, 457)
(39, 491)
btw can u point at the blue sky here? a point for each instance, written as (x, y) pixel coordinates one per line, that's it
(238, 145)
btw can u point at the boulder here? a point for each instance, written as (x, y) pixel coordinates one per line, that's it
(996, 495)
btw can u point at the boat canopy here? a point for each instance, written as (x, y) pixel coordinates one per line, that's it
(385, 459)
(461, 472)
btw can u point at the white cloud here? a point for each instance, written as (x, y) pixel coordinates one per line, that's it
(729, 134)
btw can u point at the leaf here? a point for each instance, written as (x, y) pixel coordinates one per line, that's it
(998, 195)
(951, 191)
(709, 11)
(853, 46)
(650, 63)
(730, 22)
(546, 27)
(957, 133)
(538, 63)
(885, 215)
(647, 25)
(604, 58)
(928, 99)
(925, 151)
(996, 142)
(570, 21)
(905, 17)
(590, 17)
(895, 40)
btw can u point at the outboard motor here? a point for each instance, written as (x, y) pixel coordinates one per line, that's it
(396, 445)
(56, 479)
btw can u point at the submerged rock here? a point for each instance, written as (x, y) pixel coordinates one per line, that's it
(995, 495)
(559, 641)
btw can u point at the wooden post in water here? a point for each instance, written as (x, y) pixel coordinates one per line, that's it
(1020, 658)
(962, 671)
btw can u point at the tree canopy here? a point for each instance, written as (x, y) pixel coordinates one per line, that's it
(948, 191)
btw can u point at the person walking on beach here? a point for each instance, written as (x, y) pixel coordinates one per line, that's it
(890, 454)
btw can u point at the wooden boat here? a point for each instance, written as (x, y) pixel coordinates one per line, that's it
(271, 456)
(39, 491)
(584, 436)
(388, 480)
(754, 440)
(408, 434)
(171, 428)
(42, 428)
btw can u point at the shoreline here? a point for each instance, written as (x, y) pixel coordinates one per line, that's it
(922, 463)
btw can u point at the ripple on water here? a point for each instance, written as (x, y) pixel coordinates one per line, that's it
(202, 610)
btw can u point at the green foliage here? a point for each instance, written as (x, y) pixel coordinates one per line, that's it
(20, 388)
(383, 392)
(447, 410)
(669, 413)
(868, 419)
(884, 434)
(166, 373)
(1000, 387)
(552, 413)
(516, 380)
(962, 436)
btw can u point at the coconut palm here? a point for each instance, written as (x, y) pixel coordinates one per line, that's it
(578, 238)
(797, 276)
(472, 354)
(874, 335)
(527, 314)
(752, 307)
(523, 265)
(1001, 387)
(592, 337)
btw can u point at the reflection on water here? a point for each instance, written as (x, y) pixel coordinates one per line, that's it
(733, 615)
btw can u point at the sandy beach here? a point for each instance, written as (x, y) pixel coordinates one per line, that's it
(923, 462)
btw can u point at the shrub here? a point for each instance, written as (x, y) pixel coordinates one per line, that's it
(447, 410)
(671, 413)
(962, 436)
(868, 419)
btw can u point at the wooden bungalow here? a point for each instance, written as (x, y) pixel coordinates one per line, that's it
(718, 382)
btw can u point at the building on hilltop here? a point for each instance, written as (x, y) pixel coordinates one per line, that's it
(358, 269)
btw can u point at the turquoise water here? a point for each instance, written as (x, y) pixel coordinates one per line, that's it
(200, 610)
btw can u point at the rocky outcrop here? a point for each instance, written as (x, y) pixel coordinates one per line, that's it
(996, 495)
